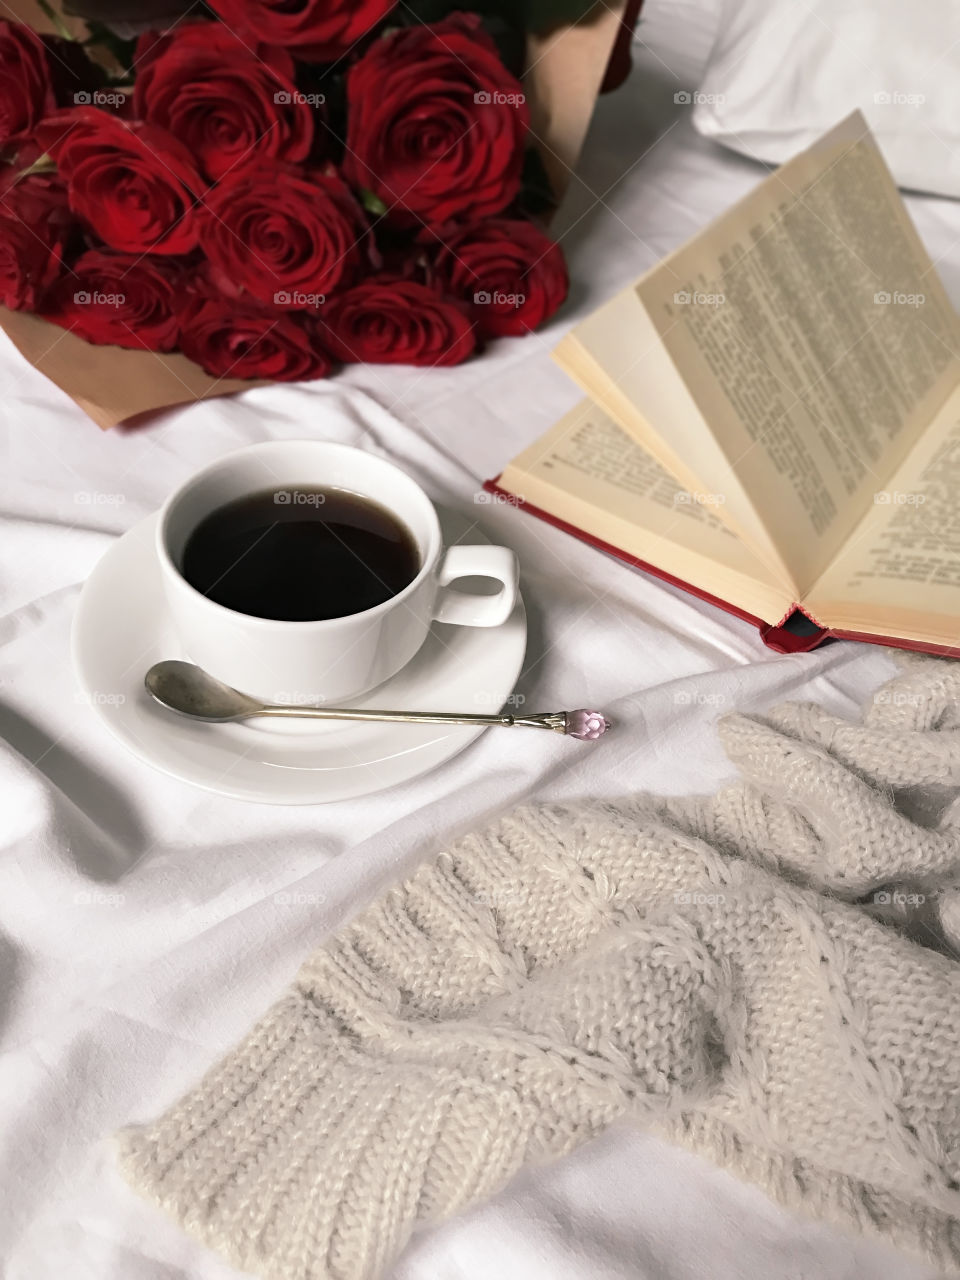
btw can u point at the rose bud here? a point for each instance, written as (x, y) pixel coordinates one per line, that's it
(436, 124)
(226, 102)
(511, 274)
(133, 184)
(313, 30)
(231, 338)
(119, 299)
(271, 229)
(388, 320)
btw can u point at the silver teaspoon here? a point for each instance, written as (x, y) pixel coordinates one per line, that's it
(190, 691)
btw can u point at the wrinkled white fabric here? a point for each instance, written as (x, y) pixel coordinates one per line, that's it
(711, 967)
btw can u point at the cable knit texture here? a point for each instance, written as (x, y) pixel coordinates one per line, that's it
(768, 976)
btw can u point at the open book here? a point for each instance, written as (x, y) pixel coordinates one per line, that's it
(774, 414)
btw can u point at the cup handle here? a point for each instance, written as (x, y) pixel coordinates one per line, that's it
(461, 607)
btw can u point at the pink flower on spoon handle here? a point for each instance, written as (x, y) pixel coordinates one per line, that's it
(586, 725)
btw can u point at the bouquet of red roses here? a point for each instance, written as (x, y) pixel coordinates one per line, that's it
(273, 190)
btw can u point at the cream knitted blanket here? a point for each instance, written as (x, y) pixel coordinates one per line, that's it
(767, 976)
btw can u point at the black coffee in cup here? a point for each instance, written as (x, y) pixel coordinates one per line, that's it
(300, 555)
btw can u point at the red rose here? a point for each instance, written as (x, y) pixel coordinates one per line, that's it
(120, 299)
(132, 183)
(436, 124)
(510, 274)
(316, 30)
(236, 338)
(272, 230)
(26, 94)
(388, 320)
(35, 223)
(226, 102)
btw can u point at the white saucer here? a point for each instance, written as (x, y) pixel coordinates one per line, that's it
(121, 628)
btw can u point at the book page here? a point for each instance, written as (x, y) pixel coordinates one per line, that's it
(589, 473)
(634, 363)
(810, 329)
(899, 574)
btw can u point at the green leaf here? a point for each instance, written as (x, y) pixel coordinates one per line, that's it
(372, 203)
(51, 14)
(537, 198)
(416, 11)
(511, 41)
(541, 15)
(123, 50)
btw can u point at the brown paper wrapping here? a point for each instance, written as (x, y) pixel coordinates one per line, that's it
(112, 384)
(565, 72)
(29, 11)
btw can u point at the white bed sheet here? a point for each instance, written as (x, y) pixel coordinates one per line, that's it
(111, 1006)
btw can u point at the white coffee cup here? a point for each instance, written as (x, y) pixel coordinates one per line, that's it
(330, 659)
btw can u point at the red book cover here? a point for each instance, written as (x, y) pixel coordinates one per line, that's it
(796, 632)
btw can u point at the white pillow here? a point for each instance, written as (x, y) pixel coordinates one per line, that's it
(781, 73)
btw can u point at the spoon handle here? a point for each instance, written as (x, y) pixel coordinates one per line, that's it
(190, 691)
(554, 720)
